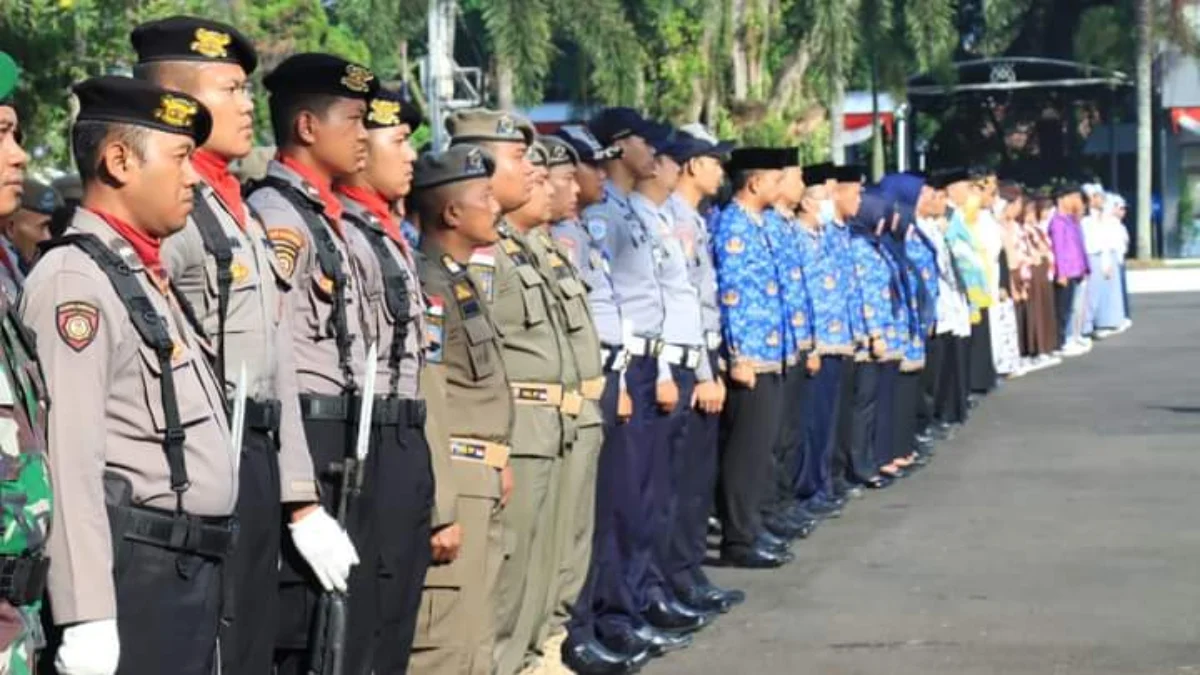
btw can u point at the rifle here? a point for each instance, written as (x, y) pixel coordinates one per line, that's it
(328, 641)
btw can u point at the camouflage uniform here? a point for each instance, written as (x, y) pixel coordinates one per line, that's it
(25, 494)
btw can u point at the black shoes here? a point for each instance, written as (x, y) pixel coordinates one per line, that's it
(700, 598)
(590, 657)
(753, 557)
(878, 483)
(673, 617)
(731, 596)
(770, 542)
(659, 643)
(785, 528)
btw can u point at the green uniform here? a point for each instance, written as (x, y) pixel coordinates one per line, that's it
(545, 390)
(455, 628)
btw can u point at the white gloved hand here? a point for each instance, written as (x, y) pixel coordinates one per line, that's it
(326, 548)
(89, 648)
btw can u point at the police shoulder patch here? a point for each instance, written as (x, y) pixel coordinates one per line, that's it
(78, 323)
(597, 228)
(287, 244)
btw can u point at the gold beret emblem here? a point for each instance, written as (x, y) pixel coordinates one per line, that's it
(506, 126)
(357, 79)
(386, 113)
(474, 162)
(175, 111)
(211, 43)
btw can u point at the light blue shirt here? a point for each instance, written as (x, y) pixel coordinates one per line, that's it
(692, 231)
(589, 257)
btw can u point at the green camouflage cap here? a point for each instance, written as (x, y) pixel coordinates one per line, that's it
(480, 125)
(455, 165)
(558, 152)
(10, 74)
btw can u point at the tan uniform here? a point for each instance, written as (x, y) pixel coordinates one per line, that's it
(257, 329)
(545, 390)
(456, 631)
(576, 486)
(108, 415)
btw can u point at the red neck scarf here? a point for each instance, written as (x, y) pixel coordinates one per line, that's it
(214, 169)
(371, 200)
(146, 247)
(333, 207)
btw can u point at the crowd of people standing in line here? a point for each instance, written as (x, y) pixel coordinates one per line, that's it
(590, 352)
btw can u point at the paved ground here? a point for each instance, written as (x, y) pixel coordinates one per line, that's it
(1058, 534)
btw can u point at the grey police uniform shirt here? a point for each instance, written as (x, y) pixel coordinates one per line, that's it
(258, 330)
(588, 256)
(383, 324)
(681, 304)
(634, 256)
(310, 302)
(107, 413)
(692, 232)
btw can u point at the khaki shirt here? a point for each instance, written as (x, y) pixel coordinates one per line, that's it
(258, 331)
(466, 357)
(437, 434)
(382, 323)
(310, 302)
(576, 317)
(107, 414)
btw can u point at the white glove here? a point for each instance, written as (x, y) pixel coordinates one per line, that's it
(89, 648)
(326, 548)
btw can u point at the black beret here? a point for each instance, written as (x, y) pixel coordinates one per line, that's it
(459, 163)
(743, 159)
(124, 100)
(391, 108)
(850, 173)
(943, 178)
(322, 74)
(189, 38)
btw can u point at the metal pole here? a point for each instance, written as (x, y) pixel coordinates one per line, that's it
(902, 137)
(1114, 177)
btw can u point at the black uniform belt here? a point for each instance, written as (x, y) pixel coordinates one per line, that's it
(385, 412)
(205, 536)
(263, 415)
(23, 579)
(614, 357)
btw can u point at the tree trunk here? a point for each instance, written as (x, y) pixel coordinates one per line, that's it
(1145, 148)
(505, 83)
(701, 85)
(789, 78)
(741, 74)
(838, 121)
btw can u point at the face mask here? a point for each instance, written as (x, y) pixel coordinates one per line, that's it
(826, 212)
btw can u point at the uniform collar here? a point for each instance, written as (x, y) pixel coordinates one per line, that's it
(370, 201)
(615, 193)
(147, 247)
(214, 169)
(317, 187)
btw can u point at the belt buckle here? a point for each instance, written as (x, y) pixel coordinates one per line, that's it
(621, 359)
(712, 340)
(692, 357)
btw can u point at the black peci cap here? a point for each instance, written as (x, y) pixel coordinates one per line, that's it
(743, 159)
(189, 38)
(391, 108)
(850, 173)
(124, 100)
(322, 74)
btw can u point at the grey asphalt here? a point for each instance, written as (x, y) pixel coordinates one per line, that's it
(1059, 533)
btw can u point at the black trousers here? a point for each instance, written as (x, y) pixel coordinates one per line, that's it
(862, 465)
(904, 416)
(388, 521)
(843, 430)
(935, 357)
(252, 571)
(694, 493)
(983, 369)
(749, 428)
(1064, 297)
(792, 438)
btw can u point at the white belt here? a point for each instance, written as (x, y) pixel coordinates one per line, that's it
(712, 340)
(644, 346)
(683, 355)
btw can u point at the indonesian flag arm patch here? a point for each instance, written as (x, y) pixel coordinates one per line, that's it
(78, 323)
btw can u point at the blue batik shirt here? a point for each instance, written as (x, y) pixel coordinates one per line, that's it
(838, 246)
(784, 236)
(825, 275)
(903, 303)
(876, 307)
(749, 288)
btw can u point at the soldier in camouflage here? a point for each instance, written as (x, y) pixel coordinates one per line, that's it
(25, 499)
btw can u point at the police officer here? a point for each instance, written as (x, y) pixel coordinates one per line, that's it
(318, 102)
(635, 256)
(756, 349)
(139, 437)
(683, 366)
(457, 212)
(699, 155)
(575, 491)
(541, 371)
(222, 264)
(396, 309)
(583, 246)
(23, 407)
(784, 235)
